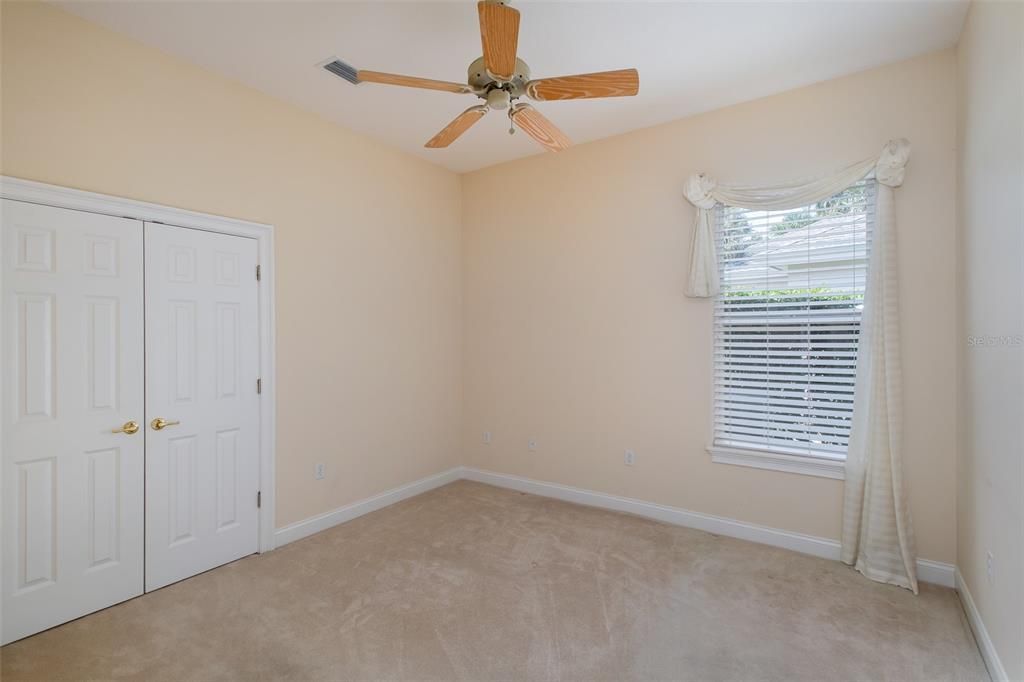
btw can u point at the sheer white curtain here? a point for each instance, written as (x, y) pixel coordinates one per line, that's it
(877, 539)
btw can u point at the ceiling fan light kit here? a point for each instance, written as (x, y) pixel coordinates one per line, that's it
(500, 78)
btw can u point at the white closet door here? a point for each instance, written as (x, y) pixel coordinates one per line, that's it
(202, 363)
(72, 373)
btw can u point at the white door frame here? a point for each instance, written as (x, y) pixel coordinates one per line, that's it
(63, 197)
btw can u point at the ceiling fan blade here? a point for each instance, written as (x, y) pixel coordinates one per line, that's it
(499, 34)
(461, 124)
(411, 81)
(621, 83)
(537, 126)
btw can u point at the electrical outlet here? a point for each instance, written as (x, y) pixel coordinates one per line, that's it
(990, 565)
(318, 471)
(487, 437)
(630, 458)
(532, 444)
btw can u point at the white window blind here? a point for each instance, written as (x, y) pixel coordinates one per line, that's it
(787, 321)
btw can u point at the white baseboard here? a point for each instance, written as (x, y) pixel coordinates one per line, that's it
(988, 650)
(315, 524)
(927, 571)
(936, 572)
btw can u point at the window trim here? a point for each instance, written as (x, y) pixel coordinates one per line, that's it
(757, 458)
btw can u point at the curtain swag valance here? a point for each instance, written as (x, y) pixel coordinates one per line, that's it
(877, 535)
(705, 193)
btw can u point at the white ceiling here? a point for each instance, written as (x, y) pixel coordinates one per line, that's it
(692, 56)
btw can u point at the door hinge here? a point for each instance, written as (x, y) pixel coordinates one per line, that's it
(259, 273)
(259, 386)
(259, 499)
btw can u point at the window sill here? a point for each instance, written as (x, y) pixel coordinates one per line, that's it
(778, 461)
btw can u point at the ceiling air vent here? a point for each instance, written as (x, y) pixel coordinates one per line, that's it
(343, 70)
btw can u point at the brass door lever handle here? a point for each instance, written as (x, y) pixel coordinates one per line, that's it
(160, 423)
(127, 427)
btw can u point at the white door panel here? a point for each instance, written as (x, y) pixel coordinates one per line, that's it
(202, 363)
(72, 354)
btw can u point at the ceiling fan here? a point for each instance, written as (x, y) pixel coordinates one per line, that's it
(500, 79)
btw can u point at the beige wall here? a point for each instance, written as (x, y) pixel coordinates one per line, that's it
(577, 332)
(368, 242)
(991, 216)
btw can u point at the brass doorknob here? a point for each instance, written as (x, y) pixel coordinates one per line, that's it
(160, 423)
(127, 427)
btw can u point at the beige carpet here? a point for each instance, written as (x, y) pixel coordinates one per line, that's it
(477, 583)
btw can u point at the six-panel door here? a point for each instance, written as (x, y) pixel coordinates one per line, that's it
(202, 363)
(72, 375)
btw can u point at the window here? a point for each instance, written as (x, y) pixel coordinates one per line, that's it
(786, 326)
